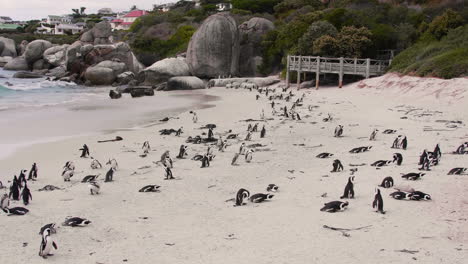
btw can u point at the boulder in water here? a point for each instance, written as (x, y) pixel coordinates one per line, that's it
(40, 65)
(5, 60)
(27, 75)
(100, 75)
(161, 71)
(17, 64)
(185, 83)
(35, 50)
(7, 47)
(56, 55)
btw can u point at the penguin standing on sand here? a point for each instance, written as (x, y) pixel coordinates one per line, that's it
(4, 201)
(242, 149)
(424, 161)
(109, 175)
(195, 117)
(205, 161)
(95, 164)
(437, 153)
(26, 195)
(167, 172)
(398, 158)
(22, 178)
(47, 244)
(337, 166)
(349, 189)
(339, 131)
(396, 142)
(210, 133)
(234, 159)
(14, 191)
(94, 187)
(145, 148)
(84, 151)
(248, 155)
(249, 136)
(182, 152)
(241, 195)
(262, 132)
(255, 127)
(378, 202)
(33, 173)
(249, 127)
(404, 143)
(373, 135)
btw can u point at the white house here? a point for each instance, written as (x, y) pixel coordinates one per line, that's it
(124, 22)
(223, 7)
(61, 29)
(55, 20)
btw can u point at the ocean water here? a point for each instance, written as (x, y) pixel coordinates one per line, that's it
(36, 110)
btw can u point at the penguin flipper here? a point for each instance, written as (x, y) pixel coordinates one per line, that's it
(54, 245)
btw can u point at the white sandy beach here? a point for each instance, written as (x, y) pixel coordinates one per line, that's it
(189, 221)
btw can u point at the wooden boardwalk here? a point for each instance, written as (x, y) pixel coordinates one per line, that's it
(340, 66)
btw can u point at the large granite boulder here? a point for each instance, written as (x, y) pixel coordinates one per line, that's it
(7, 47)
(125, 77)
(40, 65)
(251, 34)
(185, 83)
(56, 55)
(161, 71)
(17, 64)
(5, 60)
(57, 72)
(99, 34)
(35, 50)
(214, 48)
(104, 73)
(117, 52)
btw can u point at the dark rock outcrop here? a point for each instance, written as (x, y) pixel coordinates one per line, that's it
(185, 83)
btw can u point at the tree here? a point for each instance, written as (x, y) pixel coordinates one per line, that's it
(440, 26)
(406, 34)
(82, 9)
(256, 6)
(314, 32)
(134, 7)
(326, 46)
(352, 41)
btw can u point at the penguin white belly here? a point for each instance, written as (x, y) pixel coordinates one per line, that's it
(48, 246)
(94, 188)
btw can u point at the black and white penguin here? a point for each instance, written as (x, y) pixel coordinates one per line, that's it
(113, 164)
(437, 153)
(261, 197)
(197, 157)
(15, 211)
(328, 118)
(338, 131)
(373, 135)
(457, 171)
(378, 202)
(360, 149)
(413, 176)
(417, 196)
(234, 159)
(349, 189)
(404, 143)
(4, 201)
(109, 175)
(249, 155)
(396, 142)
(22, 178)
(182, 152)
(90, 178)
(67, 174)
(47, 244)
(145, 148)
(69, 165)
(387, 182)
(76, 221)
(205, 161)
(424, 161)
(26, 195)
(334, 206)
(150, 188)
(398, 158)
(242, 149)
(255, 127)
(241, 195)
(337, 166)
(84, 151)
(381, 163)
(179, 131)
(324, 155)
(263, 132)
(389, 131)
(50, 226)
(401, 195)
(210, 133)
(94, 187)
(95, 164)
(461, 149)
(14, 191)
(33, 172)
(167, 172)
(272, 188)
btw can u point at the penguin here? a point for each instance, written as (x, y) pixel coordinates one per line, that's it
(328, 119)
(457, 171)
(69, 165)
(461, 149)
(255, 127)
(241, 195)
(50, 226)
(387, 182)
(232, 136)
(413, 176)
(398, 158)
(14, 191)
(324, 155)
(272, 188)
(33, 172)
(167, 173)
(260, 197)
(373, 135)
(26, 195)
(84, 151)
(248, 155)
(145, 148)
(22, 178)
(205, 161)
(67, 174)
(337, 166)
(94, 187)
(262, 132)
(197, 157)
(424, 161)
(381, 163)
(179, 131)
(242, 149)
(360, 149)
(4, 201)
(389, 131)
(47, 244)
(15, 211)
(150, 188)
(234, 159)
(109, 175)
(404, 143)
(182, 152)
(95, 164)
(334, 206)
(113, 164)
(195, 117)
(401, 195)
(437, 152)
(248, 137)
(378, 202)
(168, 162)
(76, 221)
(417, 196)
(349, 189)
(396, 142)
(210, 133)
(90, 178)
(298, 117)
(249, 127)
(339, 131)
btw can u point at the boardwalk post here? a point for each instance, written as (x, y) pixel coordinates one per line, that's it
(317, 73)
(340, 82)
(287, 71)
(367, 68)
(355, 65)
(299, 73)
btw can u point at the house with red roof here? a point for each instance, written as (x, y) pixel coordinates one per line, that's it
(124, 21)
